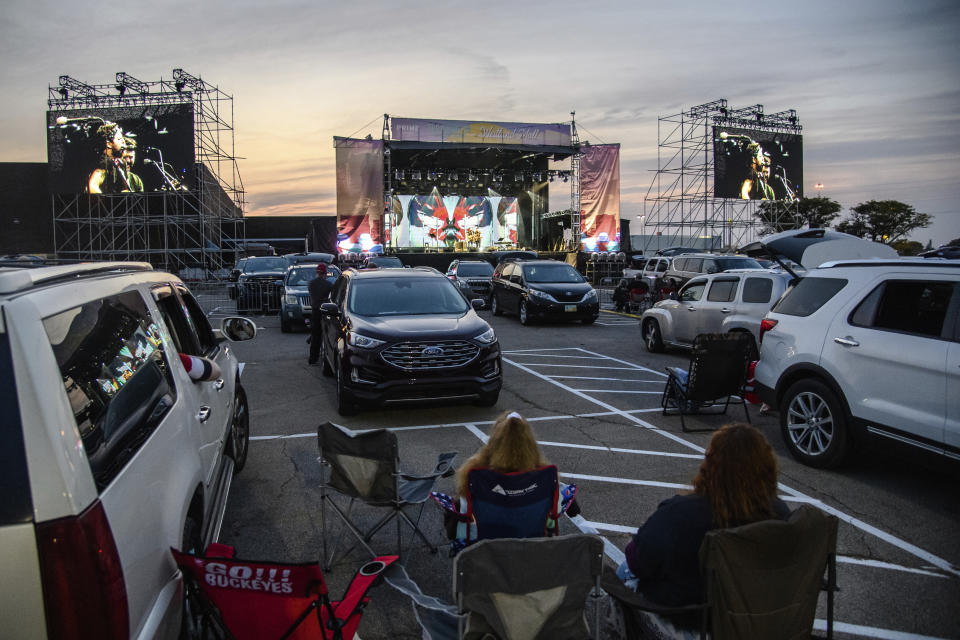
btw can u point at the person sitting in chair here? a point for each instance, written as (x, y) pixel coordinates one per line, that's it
(736, 485)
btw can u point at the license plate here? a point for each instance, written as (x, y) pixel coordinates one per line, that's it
(570, 307)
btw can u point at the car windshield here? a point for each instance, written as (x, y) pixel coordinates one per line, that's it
(263, 265)
(737, 263)
(386, 262)
(405, 297)
(559, 272)
(471, 269)
(300, 277)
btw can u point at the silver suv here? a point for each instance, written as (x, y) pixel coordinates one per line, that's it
(718, 303)
(111, 453)
(865, 347)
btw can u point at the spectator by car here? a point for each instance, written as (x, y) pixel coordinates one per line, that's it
(113, 454)
(689, 265)
(382, 262)
(295, 306)
(543, 289)
(257, 285)
(474, 277)
(404, 335)
(724, 302)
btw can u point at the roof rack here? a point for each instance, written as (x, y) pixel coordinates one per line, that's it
(20, 279)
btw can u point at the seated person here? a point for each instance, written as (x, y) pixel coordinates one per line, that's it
(512, 447)
(736, 485)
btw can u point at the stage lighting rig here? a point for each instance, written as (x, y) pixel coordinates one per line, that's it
(182, 80)
(126, 81)
(79, 89)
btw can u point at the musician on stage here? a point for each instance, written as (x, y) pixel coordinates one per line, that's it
(757, 184)
(111, 175)
(129, 156)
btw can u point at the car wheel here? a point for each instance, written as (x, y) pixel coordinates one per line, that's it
(324, 364)
(345, 404)
(239, 437)
(651, 336)
(285, 325)
(495, 308)
(524, 318)
(488, 399)
(814, 425)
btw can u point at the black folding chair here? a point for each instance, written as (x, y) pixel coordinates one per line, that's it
(763, 581)
(365, 466)
(717, 374)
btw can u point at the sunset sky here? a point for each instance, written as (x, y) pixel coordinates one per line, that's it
(876, 84)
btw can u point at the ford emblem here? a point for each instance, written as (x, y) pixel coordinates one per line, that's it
(432, 351)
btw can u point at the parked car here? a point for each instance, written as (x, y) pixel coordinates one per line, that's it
(689, 265)
(474, 277)
(257, 288)
(406, 335)
(543, 289)
(634, 267)
(676, 251)
(515, 254)
(383, 262)
(717, 303)
(308, 256)
(295, 304)
(950, 252)
(234, 276)
(112, 454)
(867, 347)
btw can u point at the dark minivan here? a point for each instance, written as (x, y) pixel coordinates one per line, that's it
(543, 289)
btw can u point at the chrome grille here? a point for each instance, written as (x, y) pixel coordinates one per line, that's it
(412, 356)
(480, 286)
(303, 299)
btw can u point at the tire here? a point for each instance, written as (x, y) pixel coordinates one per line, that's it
(524, 318)
(345, 403)
(813, 424)
(651, 336)
(488, 399)
(238, 443)
(285, 325)
(324, 365)
(495, 308)
(191, 541)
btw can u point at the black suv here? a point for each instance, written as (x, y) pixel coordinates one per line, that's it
(543, 289)
(402, 335)
(473, 277)
(259, 285)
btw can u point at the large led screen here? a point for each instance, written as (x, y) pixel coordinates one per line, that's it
(121, 149)
(757, 165)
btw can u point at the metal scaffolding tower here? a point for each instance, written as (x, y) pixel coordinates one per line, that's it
(199, 230)
(575, 210)
(679, 204)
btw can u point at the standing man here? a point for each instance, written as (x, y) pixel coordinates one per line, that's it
(319, 289)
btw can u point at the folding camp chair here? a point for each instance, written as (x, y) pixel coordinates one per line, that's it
(514, 589)
(525, 504)
(366, 467)
(231, 598)
(717, 373)
(762, 581)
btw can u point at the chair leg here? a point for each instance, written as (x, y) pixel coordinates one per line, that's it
(745, 411)
(416, 531)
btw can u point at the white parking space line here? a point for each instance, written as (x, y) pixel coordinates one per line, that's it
(563, 377)
(556, 355)
(870, 632)
(480, 434)
(649, 393)
(643, 483)
(567, 366)
(641, 452)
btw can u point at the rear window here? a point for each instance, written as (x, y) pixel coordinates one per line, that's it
(809, 295)
(757, 290)
(116, 376)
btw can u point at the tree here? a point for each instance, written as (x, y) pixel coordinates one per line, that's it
(778, 215)
(884, 221)
(907, 247)
(954, 243)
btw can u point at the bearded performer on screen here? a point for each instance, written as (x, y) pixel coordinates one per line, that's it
(111, 175)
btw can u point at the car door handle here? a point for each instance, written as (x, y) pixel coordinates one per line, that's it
(204, 414)
(726, 310)
(219, 384)
(691, 308)
(847, 342)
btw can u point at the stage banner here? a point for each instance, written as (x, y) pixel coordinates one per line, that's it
(466, 131)
(600, 197)
(360, 204)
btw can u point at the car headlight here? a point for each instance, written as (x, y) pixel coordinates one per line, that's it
(591, 296)
(487, 337)
(290, 299)
(363, 342)
(541, 295)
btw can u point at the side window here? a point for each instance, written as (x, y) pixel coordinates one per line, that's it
(339, 292)
(175, 318)
(116, 375)
(723, 289)
(693, 264)
(710, 266)
(910, 306)
(757, 290)
(201, 326)
(662, 266)
(507, 271)
(693, 291)
(679, 264)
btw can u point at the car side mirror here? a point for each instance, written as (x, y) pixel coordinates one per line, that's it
(673, 295)
(329, 309)
(477, 303)
(237, 329)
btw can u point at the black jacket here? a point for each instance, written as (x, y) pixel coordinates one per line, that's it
(319, 289)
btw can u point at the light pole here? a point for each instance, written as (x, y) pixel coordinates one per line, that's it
(643, 226)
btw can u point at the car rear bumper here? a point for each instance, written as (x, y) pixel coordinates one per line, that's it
(563, 310)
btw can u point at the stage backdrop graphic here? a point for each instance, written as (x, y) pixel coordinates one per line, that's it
(600, 197)
(739, 153)
(466, 131)
(163, 135)
(360, 202)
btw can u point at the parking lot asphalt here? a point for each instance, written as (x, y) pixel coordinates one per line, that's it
(592, 395)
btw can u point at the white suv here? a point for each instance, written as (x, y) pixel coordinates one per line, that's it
(110, 453)
(869, 346)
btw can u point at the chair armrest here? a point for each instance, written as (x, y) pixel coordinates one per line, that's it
(445, 467)
(449, 504)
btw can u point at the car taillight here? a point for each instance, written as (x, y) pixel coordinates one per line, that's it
(83, 590)
(765, 325)
(454, 278)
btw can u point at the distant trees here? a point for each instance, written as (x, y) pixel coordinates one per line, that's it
(779, 216)
(907, 247)
(885, 221)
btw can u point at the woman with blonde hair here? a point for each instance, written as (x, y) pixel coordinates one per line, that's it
(512, 447)
(736, 485)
